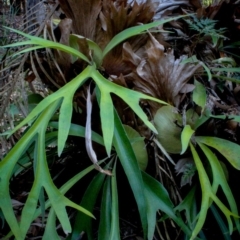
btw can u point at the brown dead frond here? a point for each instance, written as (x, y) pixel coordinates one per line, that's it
(100, 21)
(84, 14)
(116, 17)
(159, 73)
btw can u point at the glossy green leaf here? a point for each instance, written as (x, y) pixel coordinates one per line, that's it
(114, 233)
(43, 43)
(129, 163)
(70, 183)
(96, 50)
(208, 194)
(158, 199)
(207, 71)
(228, 149)
(191, 117)
(219, 179)
(40, 127)
(133, 31)
(42, 179)
(65, 117)
(106, 209)
(168, 123)
(39, 118)
(64, 94)
(82, 221)
(138, 146)
(202, 119)
(199, 94)
(131, 97)
(188, 205)
(185, 137)
(50, 229)
(6, 167)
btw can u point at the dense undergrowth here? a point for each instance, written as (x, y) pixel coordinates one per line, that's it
(120, 120)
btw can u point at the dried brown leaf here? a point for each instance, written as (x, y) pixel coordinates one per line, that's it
(159, 73)
(84, 14)
(115, 17)
(65, 26)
